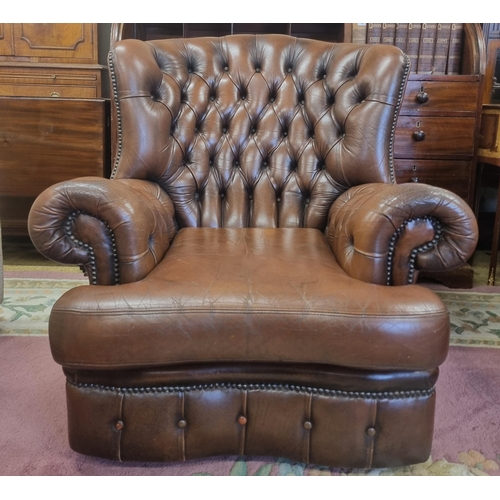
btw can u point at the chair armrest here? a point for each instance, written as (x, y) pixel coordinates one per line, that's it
(386, 233)
(116, 230)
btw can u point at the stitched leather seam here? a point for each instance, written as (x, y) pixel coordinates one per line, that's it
(260, 387)
(253, 311)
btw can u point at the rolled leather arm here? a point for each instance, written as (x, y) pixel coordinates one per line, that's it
(386, 233)
(116, 230)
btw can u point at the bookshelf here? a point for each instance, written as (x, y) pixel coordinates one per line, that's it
(437, 133)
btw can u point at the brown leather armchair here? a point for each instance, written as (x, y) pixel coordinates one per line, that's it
(250, 260)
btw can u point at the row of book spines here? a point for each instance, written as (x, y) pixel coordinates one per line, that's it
(433, 48)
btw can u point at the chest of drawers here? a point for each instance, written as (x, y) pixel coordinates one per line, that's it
(436, 143)
(437, 131)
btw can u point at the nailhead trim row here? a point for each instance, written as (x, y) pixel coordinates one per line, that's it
(93, 269)
(256, 387)
(393, 128)
(114, 88)
(438, 231)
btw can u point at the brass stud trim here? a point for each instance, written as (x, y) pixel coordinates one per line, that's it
(261, 387)
(438, 231)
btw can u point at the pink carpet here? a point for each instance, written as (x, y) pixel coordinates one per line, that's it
(33, 439)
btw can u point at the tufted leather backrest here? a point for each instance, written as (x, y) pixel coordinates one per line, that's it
(255, 131)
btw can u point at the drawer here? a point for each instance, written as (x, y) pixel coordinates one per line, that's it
(427, 97)
(48, 81)
(434, 136)
(451, 175)
(69, 91)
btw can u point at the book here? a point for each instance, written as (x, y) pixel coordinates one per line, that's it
(413, 44)
(400, 36)
(455, 49)
(359, 32)
(374, 33)
(441, 48)
(426, 49)
(388, 33)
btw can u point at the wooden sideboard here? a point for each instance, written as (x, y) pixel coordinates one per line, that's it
(49, 141)
(54, 124)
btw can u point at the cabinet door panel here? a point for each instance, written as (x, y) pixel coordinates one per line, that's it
(6, 48)
(68, 41)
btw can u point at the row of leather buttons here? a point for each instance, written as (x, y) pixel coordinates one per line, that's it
(242, 420)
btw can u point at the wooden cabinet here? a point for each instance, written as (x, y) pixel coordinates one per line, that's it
(54, 125)
(437, 131)
(331, 32)
(49, 60)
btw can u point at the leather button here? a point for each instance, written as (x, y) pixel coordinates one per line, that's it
(226, 68)
(371, 431)
(242, 420)
(257, 70)
(119, 425)
(181, 424)
(307, 425)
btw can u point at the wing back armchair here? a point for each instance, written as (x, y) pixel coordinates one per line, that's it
(252, 261)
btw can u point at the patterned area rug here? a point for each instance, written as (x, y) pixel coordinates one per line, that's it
(467, 429)
(475, 317)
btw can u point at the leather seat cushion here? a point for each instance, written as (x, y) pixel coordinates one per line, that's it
(253, 295)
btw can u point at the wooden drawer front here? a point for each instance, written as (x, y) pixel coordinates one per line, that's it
(47, 91)
(449, 97)
(438, 137)
(49, 141)
(451, 175)
(49, 82)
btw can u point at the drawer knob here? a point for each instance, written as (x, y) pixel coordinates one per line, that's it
(414, 179)
(54, 94)
(422, 97)
(419, 135)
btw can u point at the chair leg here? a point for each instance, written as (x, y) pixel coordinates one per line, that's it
(494, 247)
